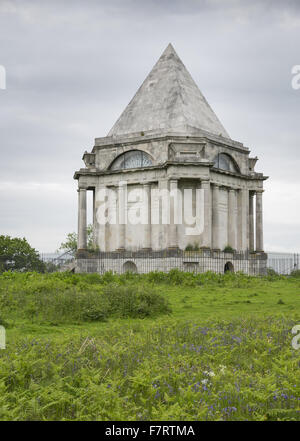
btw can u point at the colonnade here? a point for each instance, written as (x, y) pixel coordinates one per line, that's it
(242, 232)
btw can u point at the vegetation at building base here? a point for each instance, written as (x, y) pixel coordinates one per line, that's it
(211, 347)
(229, 249)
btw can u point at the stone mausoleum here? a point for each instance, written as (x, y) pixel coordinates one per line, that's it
(169, 139)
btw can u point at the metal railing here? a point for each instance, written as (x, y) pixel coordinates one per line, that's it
(283, 263)
(192, 261)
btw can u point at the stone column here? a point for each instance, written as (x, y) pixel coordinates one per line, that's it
(163, 205)
(206, 242)
(251, 221)
(95, 232)
(122, 216)
(82, 236)
(173, 241)
(232, 224)
(259, 221)
(101, 214)
(147, 225)
(215, 217)
(243, 213)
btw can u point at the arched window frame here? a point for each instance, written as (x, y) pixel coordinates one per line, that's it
(231, 161)
(145, 160)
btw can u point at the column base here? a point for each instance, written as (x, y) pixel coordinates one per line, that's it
(82, 253)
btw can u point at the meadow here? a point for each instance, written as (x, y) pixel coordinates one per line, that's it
(174, 346)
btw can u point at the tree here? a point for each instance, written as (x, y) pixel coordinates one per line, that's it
(70, 245)
(17, 255)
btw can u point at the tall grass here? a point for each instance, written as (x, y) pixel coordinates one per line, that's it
(63, 299)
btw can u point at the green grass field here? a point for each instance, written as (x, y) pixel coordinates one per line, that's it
(152, 347)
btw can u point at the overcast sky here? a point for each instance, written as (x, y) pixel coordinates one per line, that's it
(73, 66)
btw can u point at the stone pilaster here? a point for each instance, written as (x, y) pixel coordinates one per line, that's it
(101, 213)
(259, 221)
(147, 207)
(82, 235)
(243, 213)
(251, 221)
(232, 218)
(121, 216)
(206, 241)
(215, 217)
(173, 240)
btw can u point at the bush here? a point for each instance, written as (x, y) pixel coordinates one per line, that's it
(295, 273)
(228, 249)
(134, 301)
(191, 247)
(74, 298)
(271, 272)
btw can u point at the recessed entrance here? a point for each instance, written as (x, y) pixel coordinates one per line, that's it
(129, 267)
(229, 268)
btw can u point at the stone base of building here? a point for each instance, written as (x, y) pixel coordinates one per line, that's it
(143, 262)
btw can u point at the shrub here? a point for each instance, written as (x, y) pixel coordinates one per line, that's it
(191, 247)
(134, 301)
(271, 272)
(295, 273)
(228, 249)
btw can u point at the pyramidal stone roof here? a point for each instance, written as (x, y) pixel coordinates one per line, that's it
(168, 100)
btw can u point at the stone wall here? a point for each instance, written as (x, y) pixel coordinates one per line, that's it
(190, 262)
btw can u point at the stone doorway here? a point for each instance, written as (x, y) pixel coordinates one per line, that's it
(229, 268)
(129, 267)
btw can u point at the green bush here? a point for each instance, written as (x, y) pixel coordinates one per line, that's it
(132, 300)
(228, 249)
(63, 298)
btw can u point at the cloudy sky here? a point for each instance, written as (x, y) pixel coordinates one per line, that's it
(73, 66)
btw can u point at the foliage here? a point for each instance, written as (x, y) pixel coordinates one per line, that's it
(191, 247)
(72, 299)
(70, 244)
(173, 370)
(228, 249)
(295, 273)
(224, 353)
(271, 272)
(17, 255)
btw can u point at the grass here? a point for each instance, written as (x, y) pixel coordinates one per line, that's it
(208, 347)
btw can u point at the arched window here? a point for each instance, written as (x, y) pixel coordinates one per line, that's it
(131, 159)
(225, 162)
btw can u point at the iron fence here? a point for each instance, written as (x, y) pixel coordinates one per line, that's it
(192, 261)
(283, 263)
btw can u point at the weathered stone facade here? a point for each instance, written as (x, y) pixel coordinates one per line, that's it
(169, 138)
